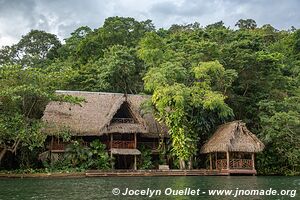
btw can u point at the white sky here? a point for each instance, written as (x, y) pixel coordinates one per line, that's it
(61, 17)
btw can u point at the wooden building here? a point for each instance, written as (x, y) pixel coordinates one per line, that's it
(115, 119)
(232, 149)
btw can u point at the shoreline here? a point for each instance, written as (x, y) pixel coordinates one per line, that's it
(118, 173)
(43, 175)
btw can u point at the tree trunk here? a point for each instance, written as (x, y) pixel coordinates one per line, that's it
(2, 154)
(181, 163)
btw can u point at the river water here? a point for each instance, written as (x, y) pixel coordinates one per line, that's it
(179, 188)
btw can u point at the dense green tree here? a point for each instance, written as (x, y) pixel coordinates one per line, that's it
(246, 24)
(7, 55)
(23, 96)
(119, 70)
(296, 43)
(126, 31)
(71, 45)
(123, 31)
(20, 102)
(184, 27)
(184, 107)
(35, 49)
(166, 74)
(217, 25)
(152, 49)
(281, 133)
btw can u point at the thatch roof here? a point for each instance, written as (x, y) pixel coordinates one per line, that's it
(94, 116)
(233, 137)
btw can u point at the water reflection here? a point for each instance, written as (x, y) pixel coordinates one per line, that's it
(101, 188)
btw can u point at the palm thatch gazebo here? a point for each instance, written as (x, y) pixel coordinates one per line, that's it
(231, 149)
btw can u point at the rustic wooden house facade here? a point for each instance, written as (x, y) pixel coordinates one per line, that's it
(116, 119)
(232, 148)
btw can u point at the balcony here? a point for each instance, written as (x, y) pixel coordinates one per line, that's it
(120, 144)
(60, 146)
(235, 164)
(123, 120)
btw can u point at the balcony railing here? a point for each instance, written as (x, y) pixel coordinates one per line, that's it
(241, 164)
(235, 164)
(221, 164)
(120, 144)
(123, 120)
(56, 146)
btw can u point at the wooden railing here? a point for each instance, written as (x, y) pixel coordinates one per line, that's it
(221, 164)
(56, 146)
(123, 120)
(120, 144)
(235, 164)
(240, 164)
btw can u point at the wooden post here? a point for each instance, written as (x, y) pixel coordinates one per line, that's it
(253, 165)
(216, 154)
(111, 160)
(111, 155)
(210, 162)
(111, 140)
(51, 147)
(135, 142)
(51, 144)
(135, 146)
(134, 165)
(227, 156)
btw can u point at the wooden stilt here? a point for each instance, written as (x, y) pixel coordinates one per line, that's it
(111, 140)
(216, 155)
(111, 155)
(253, 163)
(135, 146)
(111, 160)
(52, 141)
(134, 165)
(135, 141)
(227, 157)
(210, 162)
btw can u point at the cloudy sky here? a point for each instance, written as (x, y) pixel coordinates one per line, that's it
(61, 17)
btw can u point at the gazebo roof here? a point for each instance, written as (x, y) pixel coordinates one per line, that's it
(233, 137)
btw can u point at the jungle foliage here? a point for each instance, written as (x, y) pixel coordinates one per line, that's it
(199, 77)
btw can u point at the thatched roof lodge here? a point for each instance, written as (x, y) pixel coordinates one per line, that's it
(237, 144)
(116, 119)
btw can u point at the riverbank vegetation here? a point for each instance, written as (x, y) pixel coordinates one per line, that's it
(199, 77)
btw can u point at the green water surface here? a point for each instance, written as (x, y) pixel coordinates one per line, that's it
(101, 188)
